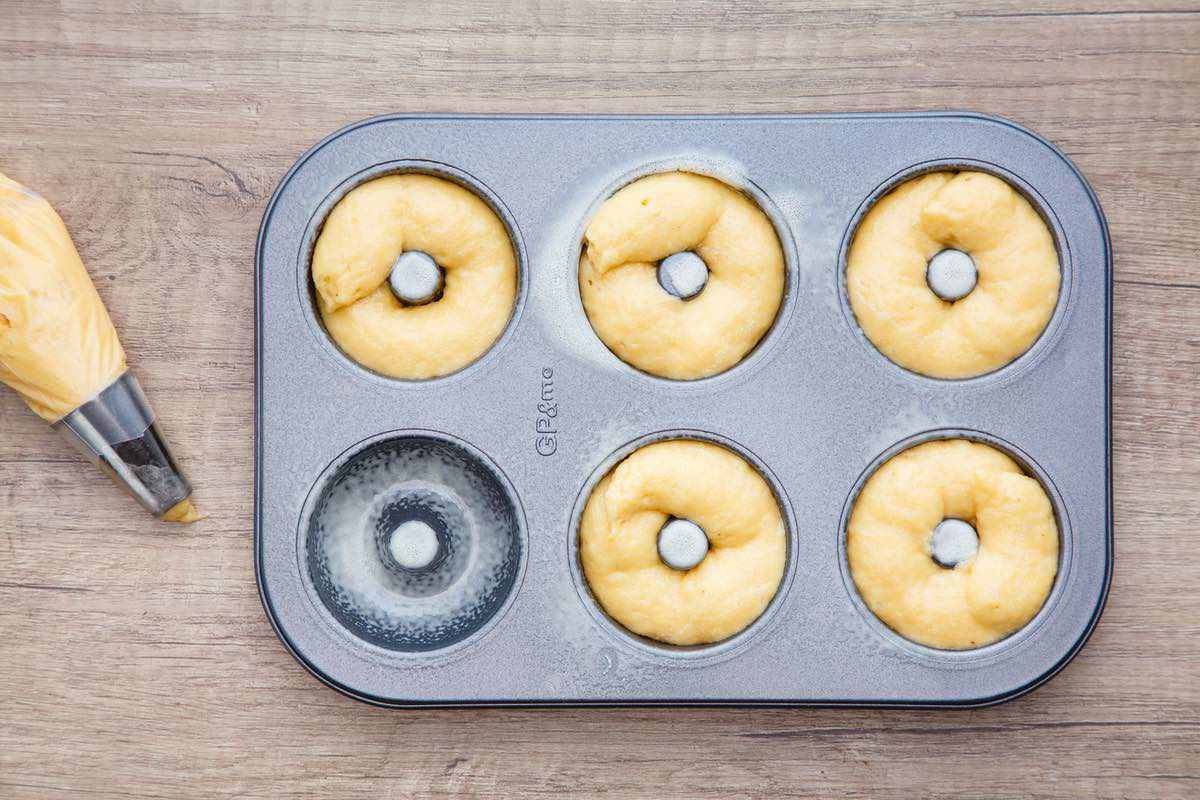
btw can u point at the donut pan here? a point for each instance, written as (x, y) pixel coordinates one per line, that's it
(543, 414)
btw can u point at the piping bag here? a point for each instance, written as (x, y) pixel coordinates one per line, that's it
(60, 352)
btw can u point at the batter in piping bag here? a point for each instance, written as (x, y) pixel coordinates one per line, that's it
(60, 352)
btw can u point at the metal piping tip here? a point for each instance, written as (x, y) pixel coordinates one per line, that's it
(116, 431)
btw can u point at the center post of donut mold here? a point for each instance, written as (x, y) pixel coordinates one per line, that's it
(951, 274)
(682, 544)
(413, 545)
(683, 274)
(416, 278)
(954, 541)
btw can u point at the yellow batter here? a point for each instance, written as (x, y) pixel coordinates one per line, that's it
(362, 237)
(58, 346)
(184, 511)
(983, 599)
(724, 495)
(658, 216)
(1017, 266)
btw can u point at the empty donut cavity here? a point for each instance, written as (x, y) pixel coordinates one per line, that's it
(414, 543)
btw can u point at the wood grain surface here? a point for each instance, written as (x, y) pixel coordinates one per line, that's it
(135, 658)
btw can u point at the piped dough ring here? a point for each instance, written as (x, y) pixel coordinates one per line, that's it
(362, 237)
(658, 216)
(983, 599)
(1014, 254)
(720, 492)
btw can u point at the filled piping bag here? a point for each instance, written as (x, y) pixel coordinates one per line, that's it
(60, 352)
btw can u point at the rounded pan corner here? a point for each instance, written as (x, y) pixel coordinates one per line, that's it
(264, 597)
(996, 119)
(1059, 666)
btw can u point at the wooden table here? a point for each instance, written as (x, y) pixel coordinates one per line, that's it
(135, 659)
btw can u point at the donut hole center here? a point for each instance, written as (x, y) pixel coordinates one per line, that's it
(953, 542)
(951, 274)
(414, 545)
(416, 279)
(682, 544)
(683, 275)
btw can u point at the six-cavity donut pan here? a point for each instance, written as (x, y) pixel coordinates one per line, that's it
(549, 410)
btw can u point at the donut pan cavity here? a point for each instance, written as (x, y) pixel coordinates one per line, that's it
(541, 415)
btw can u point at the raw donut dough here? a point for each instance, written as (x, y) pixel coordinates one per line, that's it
(724, 495)
(58, 346)
(365, 233)
(984, 598)
(1018, 274)
(658, 216)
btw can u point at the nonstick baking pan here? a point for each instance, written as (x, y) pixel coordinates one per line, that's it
(539, 418)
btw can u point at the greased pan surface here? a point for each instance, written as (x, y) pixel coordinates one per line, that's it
(815, 408)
